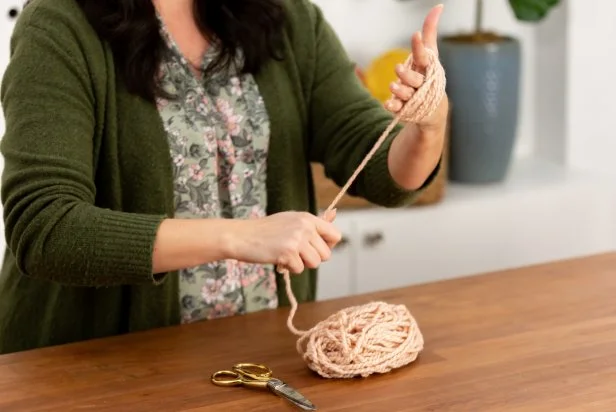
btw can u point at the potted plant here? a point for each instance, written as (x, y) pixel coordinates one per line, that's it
(483, 77)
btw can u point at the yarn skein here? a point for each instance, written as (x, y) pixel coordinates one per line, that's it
(376, 337)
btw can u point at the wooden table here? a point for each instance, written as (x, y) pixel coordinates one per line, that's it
(541, 339)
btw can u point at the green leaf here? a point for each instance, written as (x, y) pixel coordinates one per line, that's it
(532, 10)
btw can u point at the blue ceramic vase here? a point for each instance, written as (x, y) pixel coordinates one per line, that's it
(483, 80)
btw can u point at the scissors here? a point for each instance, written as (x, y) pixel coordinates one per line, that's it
(254, 375)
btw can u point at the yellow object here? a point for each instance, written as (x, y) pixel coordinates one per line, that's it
(381, 72)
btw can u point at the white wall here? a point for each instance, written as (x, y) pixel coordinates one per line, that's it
(6, 28)
(550, 86)
(576, 104)
(370, 27)
(591, 95)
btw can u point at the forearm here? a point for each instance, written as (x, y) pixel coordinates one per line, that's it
(414, 154)
(183, 243)
(89, 246)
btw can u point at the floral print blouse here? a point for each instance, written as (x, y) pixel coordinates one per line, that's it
(218, 132)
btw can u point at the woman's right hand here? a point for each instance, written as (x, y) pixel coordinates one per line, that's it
(294, 240)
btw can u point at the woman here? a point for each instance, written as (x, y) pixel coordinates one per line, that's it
(157, 160)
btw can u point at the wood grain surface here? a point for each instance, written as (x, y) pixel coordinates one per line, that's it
(538, 339)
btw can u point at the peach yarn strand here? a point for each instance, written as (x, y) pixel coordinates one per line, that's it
(376, 337)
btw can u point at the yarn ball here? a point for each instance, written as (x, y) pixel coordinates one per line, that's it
(362, 340)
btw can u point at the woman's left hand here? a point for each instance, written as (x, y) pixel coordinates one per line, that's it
(409, 80)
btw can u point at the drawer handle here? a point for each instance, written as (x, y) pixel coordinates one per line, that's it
(373, 239)
(343, 242)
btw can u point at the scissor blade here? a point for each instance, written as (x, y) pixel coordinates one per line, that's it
(282, 389)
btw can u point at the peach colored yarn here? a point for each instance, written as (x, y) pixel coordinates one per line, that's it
(376, 337)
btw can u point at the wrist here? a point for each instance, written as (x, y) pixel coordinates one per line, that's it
(415, 141)
(413, 156)
(231, 238)
(431, 131)
(438, 121)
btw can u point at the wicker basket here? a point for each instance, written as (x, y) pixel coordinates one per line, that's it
(326, 189)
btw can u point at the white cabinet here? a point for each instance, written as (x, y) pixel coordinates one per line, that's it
(335, 275)
(541, 214)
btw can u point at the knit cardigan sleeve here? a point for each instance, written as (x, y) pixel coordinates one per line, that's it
(52, 226)
(346, 121)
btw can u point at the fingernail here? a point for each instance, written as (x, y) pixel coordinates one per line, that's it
(395, 86)
(399, 67)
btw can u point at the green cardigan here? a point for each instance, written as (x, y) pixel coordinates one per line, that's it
(87, 177)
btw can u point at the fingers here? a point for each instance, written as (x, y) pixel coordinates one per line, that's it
(403, 90)
(394, 105)
(311, 254)
(328, 231)
(420, 56)
(427, 38)
(330, 215)
(430, 28)
(314, 252)
(311, 243)
(291, 262)
(412, 78)
(409, 77)
(323, 249)
(318, 248)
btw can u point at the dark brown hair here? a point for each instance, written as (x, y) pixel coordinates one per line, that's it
(132, 30)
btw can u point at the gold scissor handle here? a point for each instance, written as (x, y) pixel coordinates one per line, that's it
(226, 378)
(254, 371)
(247, 374)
